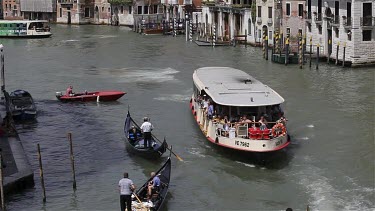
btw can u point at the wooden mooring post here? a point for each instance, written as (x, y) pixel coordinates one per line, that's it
(310, 50)
(337, 53)
(72, 161)
(2, 183)
(266, 47)
(329, 49)
(300, 45)
(287, 51)
(317, 56)
(41, 174)
(343, 55)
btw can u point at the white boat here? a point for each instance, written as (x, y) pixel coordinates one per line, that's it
(24, 28)
(234, 94)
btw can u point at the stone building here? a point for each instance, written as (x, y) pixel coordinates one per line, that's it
(150, 11)
(267, 21)
(38, 9)
(74, 11)
(230, 18)
(348, 23)
(12, 10)
(293, 23)
(122, 12)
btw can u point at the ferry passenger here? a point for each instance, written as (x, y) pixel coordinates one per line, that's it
(282, 119)
(154, 185)
(146, 128)
(69, 91)
(226, 124)
(263, 123)
(210, 110)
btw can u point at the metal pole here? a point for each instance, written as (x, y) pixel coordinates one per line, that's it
(72, 161)
(337, 53)
(41, 173)
(2, 183)
(317, 56)
(343, 55)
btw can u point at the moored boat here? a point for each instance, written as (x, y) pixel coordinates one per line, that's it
(24, 29)
(90, 96)
(236, 111)
(135, 140)
(22, 106)
(157, 198)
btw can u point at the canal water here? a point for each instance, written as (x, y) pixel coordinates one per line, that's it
(328, 166)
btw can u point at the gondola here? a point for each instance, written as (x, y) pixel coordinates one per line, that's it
(135, 141)
(21, 105)
(155, 202)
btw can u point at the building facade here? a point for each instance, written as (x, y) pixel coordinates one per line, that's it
(348, 23)
(12, 10)
(38, 9)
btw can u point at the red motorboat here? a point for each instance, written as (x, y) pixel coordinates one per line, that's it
(90, 96)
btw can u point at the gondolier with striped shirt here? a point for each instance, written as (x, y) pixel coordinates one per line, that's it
(146, 128)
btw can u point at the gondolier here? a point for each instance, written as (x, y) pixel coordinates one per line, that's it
(126, 187)
(146, 128)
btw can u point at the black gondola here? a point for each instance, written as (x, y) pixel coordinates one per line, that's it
(21, 105)
(135, 141)
(157, 198)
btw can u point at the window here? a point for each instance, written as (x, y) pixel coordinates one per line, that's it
(6, 7)
(337, 32)
(320, 29)
(287, 31)
(366, 35)
(259, 11)
(68, 8)
(349, 35)
(270, 35)
(15, 7)
(139, 9)
(249, 26)
(309, 27)
(259, 34)
(102, 9)
(109, 9)
(122, 9)
(269, 12)
(299, 32)
(300, 10)
(130, 10)
(288, 9)
(60, 12)
(145, 10)
(155, 9)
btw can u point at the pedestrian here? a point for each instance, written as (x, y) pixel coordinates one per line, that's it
(146, 128)
(126, 187)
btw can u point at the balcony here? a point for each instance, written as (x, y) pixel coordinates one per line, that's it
(367, 22)
(347, 22)
(188, 2)
(66, 2)
(259, 20)
(335, 21)
(173, 2)
(164, 1)
(269, 22)
(318, 18)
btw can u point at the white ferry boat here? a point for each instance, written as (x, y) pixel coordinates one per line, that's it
(234, 110)
(24, 28)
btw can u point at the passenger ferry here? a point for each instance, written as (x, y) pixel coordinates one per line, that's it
(24, 28)
(234, 110)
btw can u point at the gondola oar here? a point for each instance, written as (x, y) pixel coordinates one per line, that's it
(137, 198)
(178, 157)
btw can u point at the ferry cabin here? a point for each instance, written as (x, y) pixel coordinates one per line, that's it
(24, 28)
(239, 102)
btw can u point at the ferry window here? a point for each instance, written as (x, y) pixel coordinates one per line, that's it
(5, 25)
(18, 25)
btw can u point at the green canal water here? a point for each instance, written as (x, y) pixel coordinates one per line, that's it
(328, 166)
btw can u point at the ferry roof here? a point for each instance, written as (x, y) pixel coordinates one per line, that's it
(226, 86)
(23, 21)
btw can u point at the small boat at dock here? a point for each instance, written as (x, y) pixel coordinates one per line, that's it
(98, 96)
(236, 111)
(22, 106)
(135, 140)
(140, 202)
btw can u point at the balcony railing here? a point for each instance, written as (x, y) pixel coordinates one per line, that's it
(66, 1)
(367, 21)
(269, 21)
(259, 20)
(347, 22)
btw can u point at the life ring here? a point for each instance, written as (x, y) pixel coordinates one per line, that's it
(278, 129)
